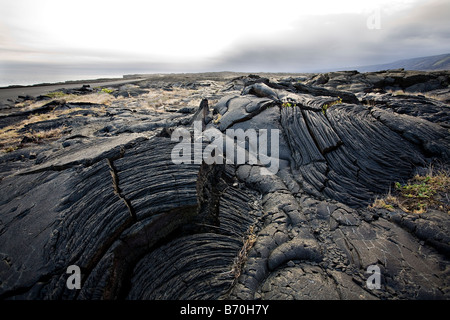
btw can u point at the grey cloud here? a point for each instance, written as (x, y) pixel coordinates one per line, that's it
(426, 20)
(317, 43)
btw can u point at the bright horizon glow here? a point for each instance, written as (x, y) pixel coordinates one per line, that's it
(172, 31)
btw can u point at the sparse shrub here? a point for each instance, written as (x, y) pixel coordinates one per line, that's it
(288, 105)
(40, 136)
(381, 204)
(329, 105)
(11, 140)
(419, 194)
(107, 90)
(10, 149)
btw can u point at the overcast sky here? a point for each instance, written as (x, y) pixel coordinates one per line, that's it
(188, 36)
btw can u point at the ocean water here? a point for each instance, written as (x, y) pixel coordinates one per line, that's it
(37, 78)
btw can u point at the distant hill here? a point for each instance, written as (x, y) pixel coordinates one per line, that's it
(439, 62)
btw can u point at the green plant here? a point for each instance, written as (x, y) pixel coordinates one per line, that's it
(10, 149)
(419, 194)
(288, 105)
(107, 90)
(328, 105)
(423, 190)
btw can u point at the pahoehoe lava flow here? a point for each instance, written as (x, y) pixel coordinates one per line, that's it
(87, 179)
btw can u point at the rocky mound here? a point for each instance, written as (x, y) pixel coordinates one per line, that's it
(105, 195)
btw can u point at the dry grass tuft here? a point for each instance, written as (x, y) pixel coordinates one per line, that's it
(11, 140)
(248, 242)
(97, 98)
(419, 194)
(382, 204)
(217, 118)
